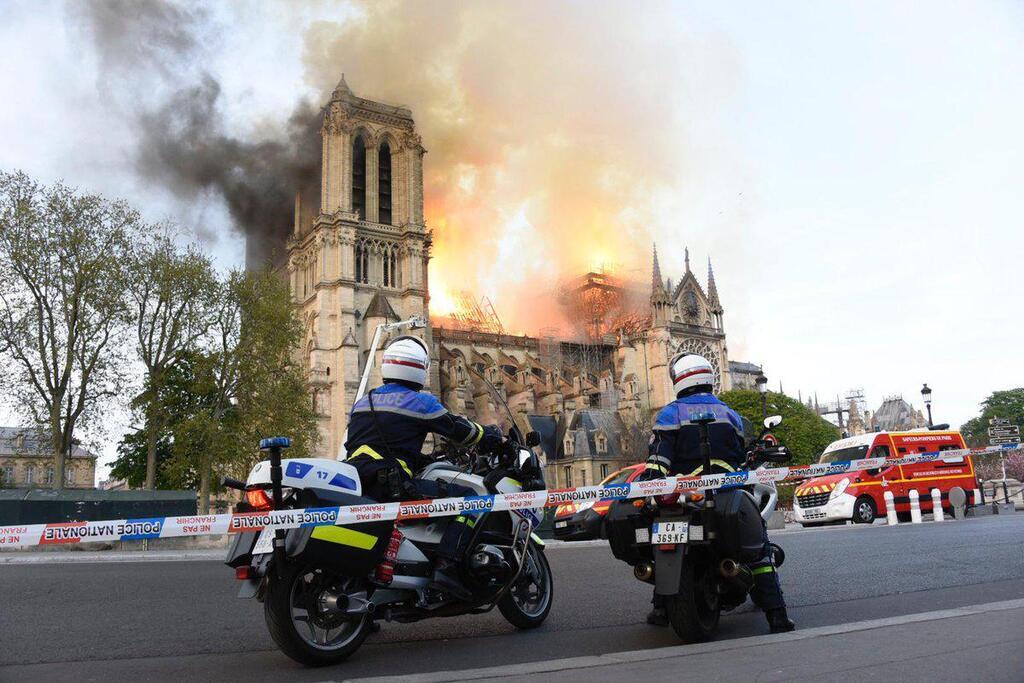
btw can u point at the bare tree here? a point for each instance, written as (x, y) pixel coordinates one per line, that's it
(63, 269)
(173, 293)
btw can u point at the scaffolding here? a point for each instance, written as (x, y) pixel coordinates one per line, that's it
(475, 316)
(550, 350)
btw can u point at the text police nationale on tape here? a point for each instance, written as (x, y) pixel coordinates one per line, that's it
(27, 535)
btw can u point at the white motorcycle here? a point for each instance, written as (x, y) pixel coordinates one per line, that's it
(323, 587)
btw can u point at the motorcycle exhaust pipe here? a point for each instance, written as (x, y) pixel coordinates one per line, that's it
(736, 573)
(644, 572)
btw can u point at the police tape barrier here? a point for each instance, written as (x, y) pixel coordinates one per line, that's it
(523, 501)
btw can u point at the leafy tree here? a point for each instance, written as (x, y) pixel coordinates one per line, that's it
(804, 432)
(1008, 404)
(63, 309)
(132, 453)
(173, 293)
(180, 398)
(244, 383)
(251, 381)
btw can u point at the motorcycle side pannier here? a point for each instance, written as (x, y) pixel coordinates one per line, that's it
(740, 528)
(621, 527)
(354, 549)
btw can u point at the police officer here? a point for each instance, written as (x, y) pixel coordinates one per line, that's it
(386, 431)
(675, 449)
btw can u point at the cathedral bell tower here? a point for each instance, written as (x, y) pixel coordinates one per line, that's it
(358, 252)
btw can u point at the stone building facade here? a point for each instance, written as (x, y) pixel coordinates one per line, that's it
(357, 257)
(27, 462)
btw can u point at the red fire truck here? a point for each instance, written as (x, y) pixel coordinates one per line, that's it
(859, 495)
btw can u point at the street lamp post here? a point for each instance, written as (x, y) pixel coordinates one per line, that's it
(762, 386)
(926, 394)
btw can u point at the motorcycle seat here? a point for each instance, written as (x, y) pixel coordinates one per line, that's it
(435, 466)
(340, 498)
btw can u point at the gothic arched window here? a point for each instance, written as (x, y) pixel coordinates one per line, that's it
(359, 176)
(362, 263)
(384, 183)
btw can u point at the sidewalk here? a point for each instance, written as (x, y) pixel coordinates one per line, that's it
(977, 643)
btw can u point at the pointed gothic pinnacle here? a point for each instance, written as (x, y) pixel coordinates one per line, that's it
(712, 288)
(686, 251)
(656, 270)
(658, 292)
(342, 88)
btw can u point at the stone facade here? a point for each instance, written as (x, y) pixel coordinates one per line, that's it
(27, 462)
(358, 258)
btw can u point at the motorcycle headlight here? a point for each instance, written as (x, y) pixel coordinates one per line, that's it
(840, 487)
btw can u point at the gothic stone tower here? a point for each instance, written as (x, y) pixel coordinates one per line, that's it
(358, 253)
(685, 317)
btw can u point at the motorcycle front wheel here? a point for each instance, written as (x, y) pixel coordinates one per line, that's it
(695, 609)
(299, 607)
(527, 602)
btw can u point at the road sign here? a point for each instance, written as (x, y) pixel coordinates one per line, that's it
(1000, 440)
(998, 421)
(1006, 430)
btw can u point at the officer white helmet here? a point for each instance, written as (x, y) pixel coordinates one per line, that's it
(688, 371)
(407, 359)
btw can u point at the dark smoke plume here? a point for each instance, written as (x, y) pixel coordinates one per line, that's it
(184, 146)
(183, 142)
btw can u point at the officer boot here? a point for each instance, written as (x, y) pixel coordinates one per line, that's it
(779, 621)
(446, 579)
(657, 616)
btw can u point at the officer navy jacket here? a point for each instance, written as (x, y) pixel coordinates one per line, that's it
(404, 417)
(675, 446)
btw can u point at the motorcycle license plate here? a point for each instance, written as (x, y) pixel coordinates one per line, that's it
(265, 542)
(664, 533)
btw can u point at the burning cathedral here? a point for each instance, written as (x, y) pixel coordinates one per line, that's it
(357, 257)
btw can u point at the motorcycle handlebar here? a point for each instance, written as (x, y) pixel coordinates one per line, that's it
(231, 483)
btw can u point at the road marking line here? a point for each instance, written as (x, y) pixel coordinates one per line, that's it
(86, 557)
(616, 658)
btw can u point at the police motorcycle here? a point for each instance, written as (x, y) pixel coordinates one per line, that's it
(693, 546)
(323, 587)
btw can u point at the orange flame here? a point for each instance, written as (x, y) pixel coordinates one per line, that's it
(547, 143)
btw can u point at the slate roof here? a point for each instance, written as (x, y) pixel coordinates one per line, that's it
(380, 307)
(742, 367)
(547, 427)
(585, 426)
(36, 444)
(893, 415)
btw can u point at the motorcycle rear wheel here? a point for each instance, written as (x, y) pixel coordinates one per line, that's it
(527, 603)
(694, 611)
(300, 630)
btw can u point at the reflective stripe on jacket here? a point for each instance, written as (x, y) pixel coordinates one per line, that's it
(394, 431)
(675, 446)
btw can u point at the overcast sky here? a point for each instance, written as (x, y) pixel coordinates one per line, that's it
(852, 168)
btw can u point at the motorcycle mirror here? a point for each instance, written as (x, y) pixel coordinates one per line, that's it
(772, 421)
(532, 439)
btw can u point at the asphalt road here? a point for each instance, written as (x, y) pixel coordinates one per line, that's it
(180, 620)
